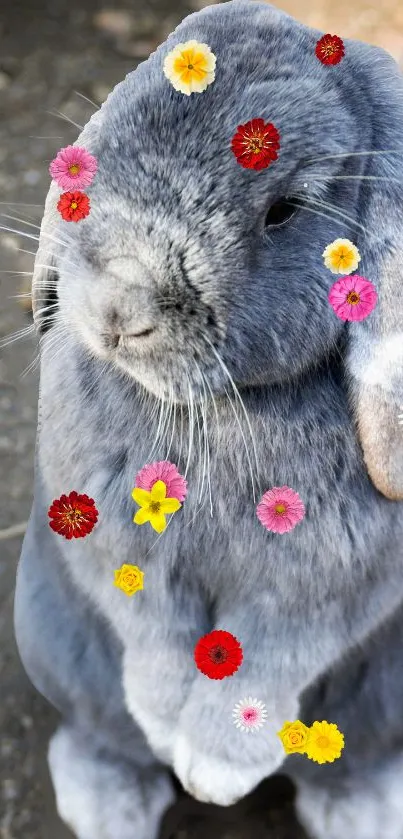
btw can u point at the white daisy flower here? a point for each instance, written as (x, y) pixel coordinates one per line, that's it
(249, 715)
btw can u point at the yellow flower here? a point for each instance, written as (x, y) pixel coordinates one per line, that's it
(325, 742)
(294, 737)
(190, 67)
(154, 506)
(129, 578)
(341, 256)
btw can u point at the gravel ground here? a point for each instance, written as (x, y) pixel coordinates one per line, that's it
(48, 52)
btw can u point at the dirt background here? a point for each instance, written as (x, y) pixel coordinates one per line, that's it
(50, 53)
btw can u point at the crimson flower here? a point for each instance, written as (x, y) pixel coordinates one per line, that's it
(329, 49)
(74, 206)
(218, 654)
(255, 144)
(73, 515)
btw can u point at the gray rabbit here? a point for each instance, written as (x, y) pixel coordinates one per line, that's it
(187, 318)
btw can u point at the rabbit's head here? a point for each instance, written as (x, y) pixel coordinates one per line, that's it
(187, 257)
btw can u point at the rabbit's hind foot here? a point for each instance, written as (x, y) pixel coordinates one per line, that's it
(370, 808)
(99, 797)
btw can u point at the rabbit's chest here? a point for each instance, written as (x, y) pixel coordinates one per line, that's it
(216, 538)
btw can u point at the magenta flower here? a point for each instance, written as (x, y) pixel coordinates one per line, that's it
(73, 168)
(352, 298)
(280, 509)
(165, 471)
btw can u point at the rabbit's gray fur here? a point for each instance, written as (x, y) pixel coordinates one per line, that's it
(176, 220)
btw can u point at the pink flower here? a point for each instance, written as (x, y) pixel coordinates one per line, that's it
(73, 168)
(352, 298)
(165, 471)
(280, 509)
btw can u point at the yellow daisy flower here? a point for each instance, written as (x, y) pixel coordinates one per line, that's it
(341, 257)
(129, 578)
(190, 67)
(154, 506)
(294, 737)
(325, 742)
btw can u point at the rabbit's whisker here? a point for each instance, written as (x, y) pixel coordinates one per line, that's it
(21, 203)
(353, 154)
(320, 177)
(30, 368)
(167, 420)
(198, 450)
(172, 412)
(23, 273)
(87, 100)
(21, 220)
(204, 412)
(196, 513)
(17, 336)
(206, 458)
(241, 402)
(316, 212)
(157, 433)
(333, 209)
(173, 424)
(181, 434)
(31, 236)
(60, 115)
(190, 405)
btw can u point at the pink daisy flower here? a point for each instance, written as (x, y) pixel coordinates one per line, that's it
(165, 471)
(352, 298)
(73, 168)
(280, 509)
(249, 715)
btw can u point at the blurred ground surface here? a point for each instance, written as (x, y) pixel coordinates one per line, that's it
(48, 51)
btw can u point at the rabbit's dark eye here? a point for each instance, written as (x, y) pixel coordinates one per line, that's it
(280, 212)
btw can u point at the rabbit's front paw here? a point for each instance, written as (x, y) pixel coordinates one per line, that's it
(214, 779)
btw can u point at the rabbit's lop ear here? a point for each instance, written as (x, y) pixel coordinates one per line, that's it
(375, 351)
(50, 238)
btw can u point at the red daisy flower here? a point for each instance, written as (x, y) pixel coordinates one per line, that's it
(73, 515)
(218, 654)
(255, 144)
(74, 206)
(329, 49)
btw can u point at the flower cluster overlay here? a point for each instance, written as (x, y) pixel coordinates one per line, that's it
(73, 169)
(352, 297)
(160, 490)
(321, 742)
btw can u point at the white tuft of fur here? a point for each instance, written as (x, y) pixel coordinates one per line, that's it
(99, 799)
(212, 780)
(380, 361)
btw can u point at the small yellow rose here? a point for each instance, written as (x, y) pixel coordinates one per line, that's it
(129, 578)
(294, 737)
(190, 67)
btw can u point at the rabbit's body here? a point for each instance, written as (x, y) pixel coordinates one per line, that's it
(299, 602)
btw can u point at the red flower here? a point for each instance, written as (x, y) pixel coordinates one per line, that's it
(255, 144)
(73, 206)
(218, 654)
(73, 515)
(329, 49)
